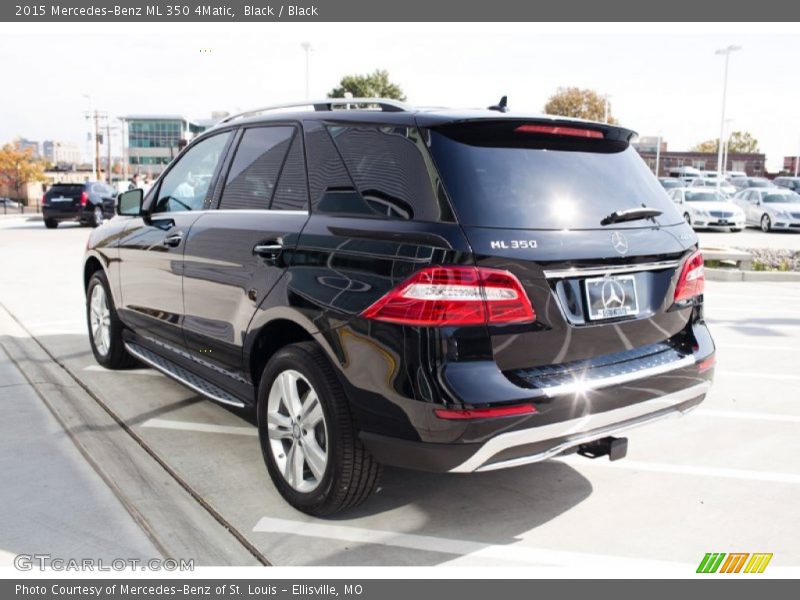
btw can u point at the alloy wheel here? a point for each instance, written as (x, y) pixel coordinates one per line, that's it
(298, 435)
(100, 319)
(98, 216)
(766, 225)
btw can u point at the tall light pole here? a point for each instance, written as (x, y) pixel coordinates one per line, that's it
(605, 113)
(307, 47)
(797, 158)
(727, 53)
(93, 120)
(658, 152)
(725, 145)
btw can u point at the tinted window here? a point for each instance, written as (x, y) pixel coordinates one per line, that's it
(65, 189)
(292, 190)
(704, 197)
(256, 167)
(327, 176)
(389, 167)
(780, 198)
(498, 176)
(187, 183)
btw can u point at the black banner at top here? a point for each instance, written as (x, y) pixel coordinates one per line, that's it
(407, 10)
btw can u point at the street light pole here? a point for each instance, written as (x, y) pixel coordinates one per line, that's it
(605, 113)
(727, 53)
(307, 47)
(658, 152)
(93, 119)
(726, 145)
(797, 158)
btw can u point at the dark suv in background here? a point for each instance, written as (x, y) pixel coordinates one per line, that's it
(439, 290)
(89, 203)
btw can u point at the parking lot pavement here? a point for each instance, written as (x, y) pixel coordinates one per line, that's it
(750, 238)
(53, 502)
(724, 478)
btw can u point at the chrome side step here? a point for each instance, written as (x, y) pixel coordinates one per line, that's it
(181, 375)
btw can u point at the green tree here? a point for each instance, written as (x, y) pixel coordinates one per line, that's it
(579, 103)
(18, 168)
(738, 141)
(371, 85)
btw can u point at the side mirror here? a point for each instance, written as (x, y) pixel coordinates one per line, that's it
(130, 203)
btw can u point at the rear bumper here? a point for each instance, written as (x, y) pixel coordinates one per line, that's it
(65, 214)
(525, 446)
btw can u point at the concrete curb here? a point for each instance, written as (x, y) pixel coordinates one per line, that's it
(739, 275)
(176, 521)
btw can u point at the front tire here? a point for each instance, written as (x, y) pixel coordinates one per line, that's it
(105, 328)
(687, 218)
(308, 438)
(766, 223)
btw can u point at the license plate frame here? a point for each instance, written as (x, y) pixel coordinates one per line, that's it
(611, 297)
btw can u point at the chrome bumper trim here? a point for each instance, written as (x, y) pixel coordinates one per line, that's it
(584, 429)
(584, 385)
(609, 270)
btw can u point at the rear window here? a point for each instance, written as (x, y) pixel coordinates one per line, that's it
(65, 189)
(500, 177)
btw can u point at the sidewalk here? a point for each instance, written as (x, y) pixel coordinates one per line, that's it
(53, 501)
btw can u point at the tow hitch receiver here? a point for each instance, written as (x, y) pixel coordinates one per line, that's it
(614, 448)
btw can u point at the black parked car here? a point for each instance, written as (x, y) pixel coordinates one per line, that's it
(445, 291)
(89, 203)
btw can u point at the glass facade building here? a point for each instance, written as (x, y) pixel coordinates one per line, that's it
(154, 140)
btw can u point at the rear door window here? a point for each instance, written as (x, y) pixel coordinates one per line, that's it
(501, 175)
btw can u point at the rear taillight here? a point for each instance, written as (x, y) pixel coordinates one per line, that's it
(561, 130)
(706, 364)
(442, 296)
(84, 198)
(486, 413)
(44, 200)
(692, 281)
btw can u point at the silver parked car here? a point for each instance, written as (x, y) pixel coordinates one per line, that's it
(707, 209)
(770, 208)
(712, 183)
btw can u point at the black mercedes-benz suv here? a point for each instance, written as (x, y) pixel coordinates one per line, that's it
(439, 290)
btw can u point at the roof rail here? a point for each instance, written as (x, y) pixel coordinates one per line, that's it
(385, 105)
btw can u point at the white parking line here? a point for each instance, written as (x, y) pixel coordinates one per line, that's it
(634, 465)
(772, 311)
(756, 347)
(756, 376)
(99, 369)
(516, 552)
(748, 416)
(202, 427)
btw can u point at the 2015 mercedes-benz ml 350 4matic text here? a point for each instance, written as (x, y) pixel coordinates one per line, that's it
(437, 290)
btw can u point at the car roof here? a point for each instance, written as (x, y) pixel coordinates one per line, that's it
(423, 117)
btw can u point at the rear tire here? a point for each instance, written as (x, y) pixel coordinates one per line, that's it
(50, 223)
(766, 223)
(105, 328)
(97, 216)
(294, 440)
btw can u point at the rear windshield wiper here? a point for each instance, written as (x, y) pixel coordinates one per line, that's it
(631, 214)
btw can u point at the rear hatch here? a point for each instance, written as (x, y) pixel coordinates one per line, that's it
(65, 197)
(532, 197)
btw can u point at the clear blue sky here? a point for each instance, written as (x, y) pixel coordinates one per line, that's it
(660, 77)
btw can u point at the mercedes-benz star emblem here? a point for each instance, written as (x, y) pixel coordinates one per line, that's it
(613, 294)
(619, 242)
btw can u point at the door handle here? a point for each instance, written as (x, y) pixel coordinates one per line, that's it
(270, 251)
(173, 240)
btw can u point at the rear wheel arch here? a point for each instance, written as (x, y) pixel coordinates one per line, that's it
(270, 339)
